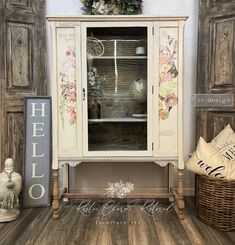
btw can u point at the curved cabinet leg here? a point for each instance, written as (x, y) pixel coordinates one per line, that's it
(180, 200)
(55, 202)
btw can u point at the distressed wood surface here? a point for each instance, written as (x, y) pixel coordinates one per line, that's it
(19, 47)
(32, 233)
(223, 68)
(15, 141)
(135, 225)
(22, 70)
(216, 52)
(163, 232)
(207, 234)
(172, 228)
(18, 226)
(55, 232)
(88, 230)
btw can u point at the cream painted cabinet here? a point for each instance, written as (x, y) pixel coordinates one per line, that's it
(117, 92)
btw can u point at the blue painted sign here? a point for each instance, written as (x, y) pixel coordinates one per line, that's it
(37, 161)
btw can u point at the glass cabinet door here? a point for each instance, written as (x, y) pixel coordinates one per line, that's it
(117, 83)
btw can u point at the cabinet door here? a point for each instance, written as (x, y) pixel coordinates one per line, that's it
(168, 64)
(66, 90)
(117, 89)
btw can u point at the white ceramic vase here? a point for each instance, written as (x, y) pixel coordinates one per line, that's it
(9, 174)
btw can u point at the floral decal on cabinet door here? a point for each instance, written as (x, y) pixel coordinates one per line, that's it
(68, 84)
(168, 75)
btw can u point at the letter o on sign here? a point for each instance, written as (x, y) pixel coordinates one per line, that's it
(42, 191)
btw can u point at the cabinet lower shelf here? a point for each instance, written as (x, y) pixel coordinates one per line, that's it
(130, 57)
(101, 120)
(117, 147)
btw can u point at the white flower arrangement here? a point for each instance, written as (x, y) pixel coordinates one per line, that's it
(100, 7)
(119, 189)
(110, 7)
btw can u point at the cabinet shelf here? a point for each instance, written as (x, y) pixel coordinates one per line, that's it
(101, 120)
(120, 57)
(117, 147)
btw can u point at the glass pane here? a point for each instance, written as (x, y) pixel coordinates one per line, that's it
(117, 88)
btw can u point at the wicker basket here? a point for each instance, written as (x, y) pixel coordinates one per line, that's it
(215, 202)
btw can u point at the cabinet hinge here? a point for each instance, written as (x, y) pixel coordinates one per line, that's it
(152, 30)
(152, 146)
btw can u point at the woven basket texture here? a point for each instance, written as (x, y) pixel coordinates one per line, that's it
(215, 202)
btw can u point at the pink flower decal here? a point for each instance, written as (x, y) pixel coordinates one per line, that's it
(72, 96)
(68, 52)
(164, 58)
(73, 85)
(171, 100)
(73, 63)
(168, 75)
(163, 114)
(68, 88)
(165, 77)
(73, 114)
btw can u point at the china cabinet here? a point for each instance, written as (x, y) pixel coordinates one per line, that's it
(117, 94)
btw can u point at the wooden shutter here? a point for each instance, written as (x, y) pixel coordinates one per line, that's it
(22, 67)
(216, 63)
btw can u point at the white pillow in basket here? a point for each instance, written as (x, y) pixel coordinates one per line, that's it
(207, 160)
(224, 142)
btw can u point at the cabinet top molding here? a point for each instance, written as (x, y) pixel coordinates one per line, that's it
(116, 18)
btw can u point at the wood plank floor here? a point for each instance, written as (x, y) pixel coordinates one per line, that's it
(115, 225)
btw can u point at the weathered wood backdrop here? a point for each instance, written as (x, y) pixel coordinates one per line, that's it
(216, 63)
(22, 69)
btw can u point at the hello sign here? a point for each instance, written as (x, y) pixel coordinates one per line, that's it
(36, 191)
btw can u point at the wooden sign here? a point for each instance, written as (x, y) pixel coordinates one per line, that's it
(37, 161)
